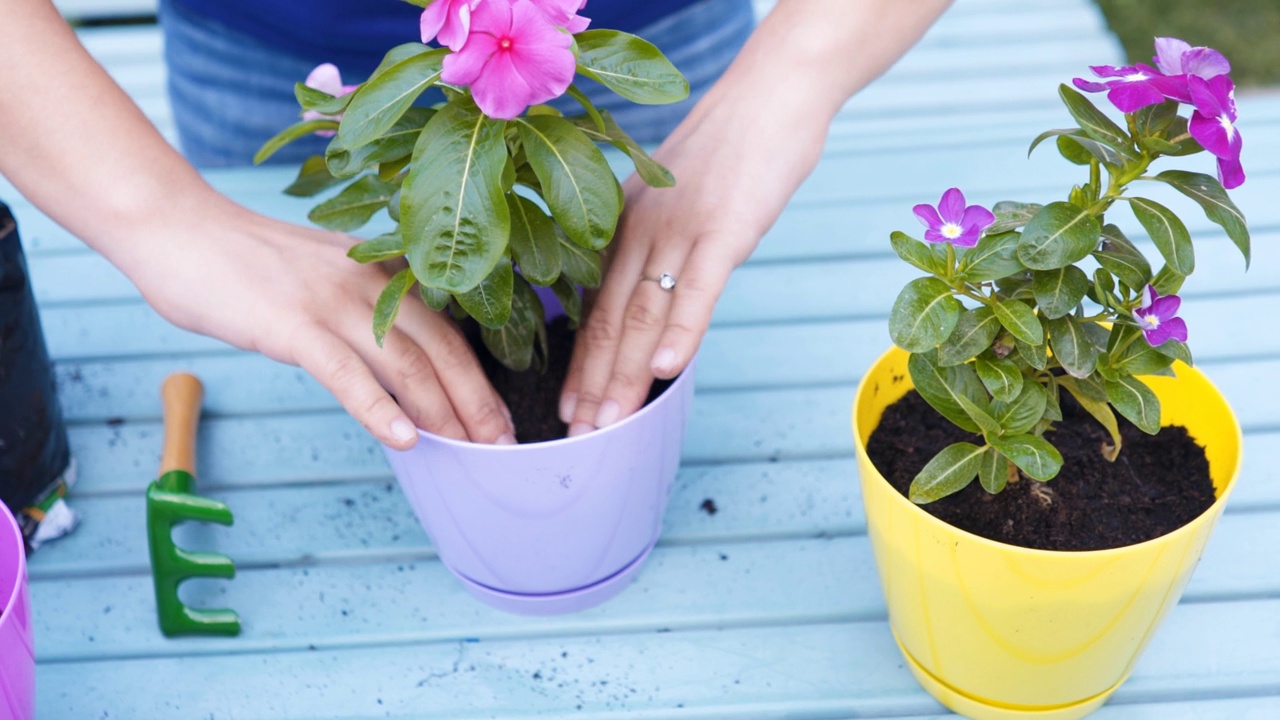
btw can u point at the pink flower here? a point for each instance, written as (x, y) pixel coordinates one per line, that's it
(448, 21)
(513, 58)
(1157, 316)
(1213, 125)
(1177, 59)
(326, 78)
(953, 222)
(1132, 88)
(564, 13)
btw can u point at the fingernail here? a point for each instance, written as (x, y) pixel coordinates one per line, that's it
(568, 404)
(506, 412)
(505, 439)
(580, 428)
(664, 361)
(403, 430)
(608, 414)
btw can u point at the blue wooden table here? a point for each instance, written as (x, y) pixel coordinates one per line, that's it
(768, 608)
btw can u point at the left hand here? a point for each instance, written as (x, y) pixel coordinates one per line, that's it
(728, 193)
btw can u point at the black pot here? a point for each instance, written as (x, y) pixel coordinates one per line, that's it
(33, 438)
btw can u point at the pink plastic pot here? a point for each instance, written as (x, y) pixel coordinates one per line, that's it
(550, 527)
(17, 650)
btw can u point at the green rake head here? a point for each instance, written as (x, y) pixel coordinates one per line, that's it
(170, 501)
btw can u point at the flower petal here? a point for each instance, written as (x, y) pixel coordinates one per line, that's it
(1169, 53)
(467, 65)
(457, 27)
(967, 238)
(1174, 329)
(928, 216)
(1205, 62)
(1165, 307)
(500, 91)
(1089, 86)
(325, 78)
(977, 219)
(432, 19)
(951, 206)
(1213, 135)
(1131, 96)
(935, 236)
(1230, 172)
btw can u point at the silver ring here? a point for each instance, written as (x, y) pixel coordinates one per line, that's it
(666, 281)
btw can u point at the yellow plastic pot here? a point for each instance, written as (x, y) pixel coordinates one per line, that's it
(996, 631)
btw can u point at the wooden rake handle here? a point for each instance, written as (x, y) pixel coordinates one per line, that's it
(181, 394)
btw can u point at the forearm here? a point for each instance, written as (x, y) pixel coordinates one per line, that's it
(830, 49)
(77, 146)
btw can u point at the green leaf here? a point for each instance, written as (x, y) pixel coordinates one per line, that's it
(297, 130)
(589, 107)
(1073, 151)
(388, 93)
(435, 299)
(1020, 414)
(577, 183)
(512, 344)
(1018, 318)
(1034, 455)
(388, 304)
(570, 299)
(1059, 291)
(1136, 402)
(320, 101)
(313, 178)
(490, 301)
(1137, 357)
(383, 247)
(993, 473)
(352, 208)
(931, 258)
(940, 387)
(1060, 234)
(630, 66)
(1167, 232)
(978, 412)
(1049, 134)
(1002, 378)
(395, 144)
(1072, 346)
(1212, 197)
(580, 265)
(1094, 122)
(1098, 408)
(948, 472)
(1036, 355)
(1187, 145)
(1154, 119)
(994, 257)
(1168, 281)
(1011, 215)
(533, 241)
(923, 315)
(1159, 145)
(455, 216)
(651, 171)
(973, 333)
(1120, 257)
(1103, 152)
(1176, 350)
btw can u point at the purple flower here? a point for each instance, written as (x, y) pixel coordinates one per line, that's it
(1130, 88)
(953, 222)
(1178, 60)
(1213, 125)
(1157, 316)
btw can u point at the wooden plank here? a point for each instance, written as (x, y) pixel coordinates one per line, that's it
(830, 670)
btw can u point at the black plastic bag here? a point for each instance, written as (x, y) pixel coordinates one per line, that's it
(33, 438)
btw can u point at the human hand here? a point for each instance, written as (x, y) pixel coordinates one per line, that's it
(292, 294)
(727, 195)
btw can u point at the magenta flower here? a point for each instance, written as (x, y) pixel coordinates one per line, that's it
(513, 58)
(564, 13)
(1131, 88)
(326, 78)
(448, 22)
(1157, 316)
(1213, 125)
(1178, 60)
(953, 222)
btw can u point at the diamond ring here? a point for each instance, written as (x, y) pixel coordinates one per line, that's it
(666, 281)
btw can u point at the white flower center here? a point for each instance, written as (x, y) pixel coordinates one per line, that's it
(1151, 321)
(1135, 77)
(1225, 122)
(951, 231)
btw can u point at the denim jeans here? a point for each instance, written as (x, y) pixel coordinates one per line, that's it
(230, 92)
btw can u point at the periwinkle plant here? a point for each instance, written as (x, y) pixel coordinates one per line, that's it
(1030, 300)
(492, 192)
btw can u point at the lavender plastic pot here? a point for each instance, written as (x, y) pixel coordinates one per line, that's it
(550, 527)
(17, 650)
